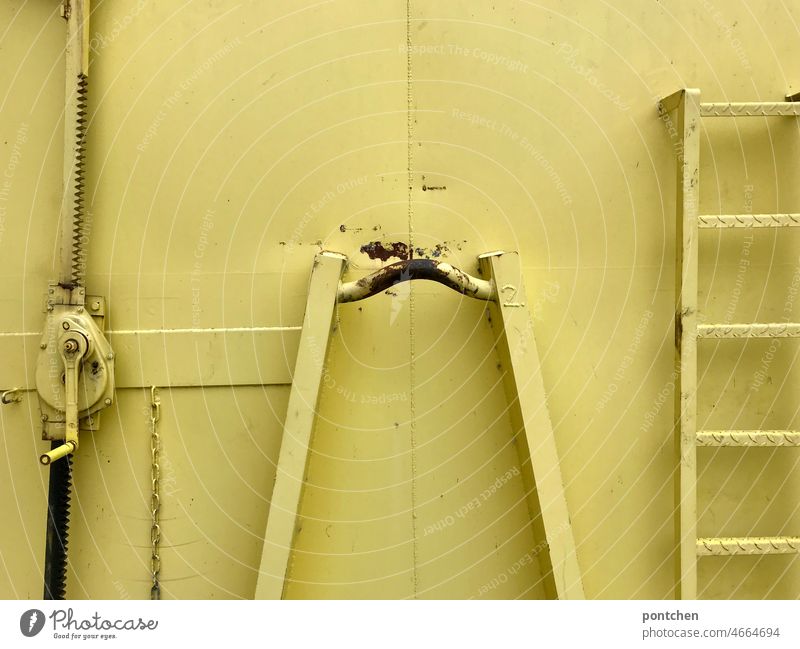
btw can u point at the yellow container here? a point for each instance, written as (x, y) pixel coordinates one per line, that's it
(229, 143)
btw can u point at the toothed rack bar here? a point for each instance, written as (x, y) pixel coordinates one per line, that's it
(756, 330)
(748, 220)
(750, 109)
(748, 438)
(727, 546)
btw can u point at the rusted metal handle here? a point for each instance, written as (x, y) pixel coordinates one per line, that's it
(404, 271)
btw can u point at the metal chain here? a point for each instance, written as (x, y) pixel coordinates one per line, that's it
(155, 499)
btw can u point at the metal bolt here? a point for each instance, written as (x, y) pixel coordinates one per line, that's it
(107, 402)
(70, 346)
(96, 305)
(110, 355)
(65, 325)
(42, 345)
(49, 307)
(79, 309)
(45, 417)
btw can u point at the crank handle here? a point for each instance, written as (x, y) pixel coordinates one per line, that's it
(73, 350)
(58, 452)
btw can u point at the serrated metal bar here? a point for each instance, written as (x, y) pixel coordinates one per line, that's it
(708, 221)
(754, 330)
(57, 536)
(750, 109)
(748, 438)
(72, 247)
(71, 267)
(747, 545)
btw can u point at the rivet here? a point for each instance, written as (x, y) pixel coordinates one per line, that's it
(107, 402)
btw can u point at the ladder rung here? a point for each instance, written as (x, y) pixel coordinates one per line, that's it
(748, 220)
(750, 109)
(755, 330)
(731, 545)
(748, 438)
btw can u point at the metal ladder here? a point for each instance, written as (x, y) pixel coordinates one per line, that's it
(502, 287)
(686, 103)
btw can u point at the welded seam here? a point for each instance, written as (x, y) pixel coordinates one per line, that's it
(412, 414)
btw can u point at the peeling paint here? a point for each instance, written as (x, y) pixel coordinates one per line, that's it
(383, 251)
(400, 250)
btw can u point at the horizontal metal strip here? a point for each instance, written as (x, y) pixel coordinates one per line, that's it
(754, 330)
(730, 545)
(748, 220)
(174, 357)
(748, 438)
(750, 109)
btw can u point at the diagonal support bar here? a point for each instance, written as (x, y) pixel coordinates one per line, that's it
(513, 325)
(298, 425)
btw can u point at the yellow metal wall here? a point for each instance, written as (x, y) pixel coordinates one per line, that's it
(230, 141)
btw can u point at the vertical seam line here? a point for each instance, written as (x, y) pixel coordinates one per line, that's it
(412, 350)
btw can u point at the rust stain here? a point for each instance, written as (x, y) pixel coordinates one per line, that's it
(400, 250)
(439, 250)
(383, 251)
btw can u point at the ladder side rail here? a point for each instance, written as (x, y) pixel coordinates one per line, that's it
(686, 268)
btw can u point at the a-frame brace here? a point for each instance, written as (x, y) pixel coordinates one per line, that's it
(513, 325)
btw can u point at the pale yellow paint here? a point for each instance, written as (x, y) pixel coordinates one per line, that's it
(512, 323)
(298, 426)
(257, 113)
(687, 245)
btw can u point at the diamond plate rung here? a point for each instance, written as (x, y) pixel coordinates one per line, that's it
(748, 438)
(750, 109)
(715, 221)
(744, 545)
(754, 330)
